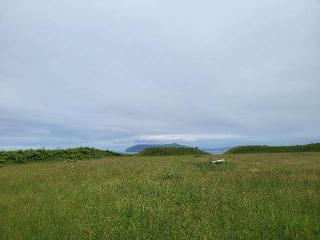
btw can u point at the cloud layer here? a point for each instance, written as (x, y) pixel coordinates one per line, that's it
(205, 73)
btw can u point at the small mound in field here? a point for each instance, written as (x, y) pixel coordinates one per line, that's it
(171, 151)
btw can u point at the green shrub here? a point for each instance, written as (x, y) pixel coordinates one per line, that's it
(15, 157)
(22, 156)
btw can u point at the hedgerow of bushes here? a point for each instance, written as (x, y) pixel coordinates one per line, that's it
(314, 147)
(22, 156)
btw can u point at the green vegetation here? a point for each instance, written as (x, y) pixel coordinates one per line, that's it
(141, 147)
(60, 154)
(315, 147)
(171, 151)
(252, 196)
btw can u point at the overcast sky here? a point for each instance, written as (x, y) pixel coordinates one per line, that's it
(111, 74)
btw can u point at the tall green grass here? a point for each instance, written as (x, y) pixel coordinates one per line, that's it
(252, 196)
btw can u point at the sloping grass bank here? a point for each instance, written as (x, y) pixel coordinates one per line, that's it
(22, 156)
(315, 147)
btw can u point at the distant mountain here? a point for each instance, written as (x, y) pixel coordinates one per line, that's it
(216, 150)
(141, 147)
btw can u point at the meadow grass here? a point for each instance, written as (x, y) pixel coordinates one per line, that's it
(252, 196)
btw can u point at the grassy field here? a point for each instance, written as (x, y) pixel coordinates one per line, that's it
(252, 196)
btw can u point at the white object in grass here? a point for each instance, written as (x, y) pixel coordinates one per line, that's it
(220, 161)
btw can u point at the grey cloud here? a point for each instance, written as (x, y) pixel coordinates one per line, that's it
(111, 74)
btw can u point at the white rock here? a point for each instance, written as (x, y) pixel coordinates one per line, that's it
(220, 161)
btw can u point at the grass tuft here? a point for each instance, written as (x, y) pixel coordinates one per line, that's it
(171, 176)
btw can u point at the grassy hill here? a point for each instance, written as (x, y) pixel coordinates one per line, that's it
(141, 147)
(252, 196)
(171, 151)
(23, 156)
(315, 147)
